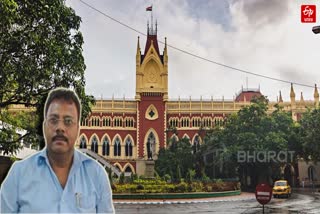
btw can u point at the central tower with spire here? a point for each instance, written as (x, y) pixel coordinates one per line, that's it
(151, 67)
(151, 97)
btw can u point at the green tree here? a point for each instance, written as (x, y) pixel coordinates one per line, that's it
(250, 131)
(176, 160)
(40, 49)
(310, 135)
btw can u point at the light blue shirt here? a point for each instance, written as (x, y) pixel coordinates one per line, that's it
(32, 187)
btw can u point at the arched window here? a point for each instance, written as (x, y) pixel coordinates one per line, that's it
(185, 122)
(173, 122)
(174, 138)
(129, 122)
(206, 122)
(117, 147)
(106, 147)
(151, 145)
(84, 122)
(94, 144)
(117, 122)
(196, 122)
(196, 144)
(128, 169)
(95, 121)
(83, 143)
(128, 147)
(106, 121)
(117, 167)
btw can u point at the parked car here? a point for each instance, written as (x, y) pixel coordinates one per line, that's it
(281, 188)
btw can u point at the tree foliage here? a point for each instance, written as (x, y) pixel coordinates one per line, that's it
(40, 49)
(250, 131)
(176, 160)
(310, 135)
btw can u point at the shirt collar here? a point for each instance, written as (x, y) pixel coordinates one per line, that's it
(78, 157)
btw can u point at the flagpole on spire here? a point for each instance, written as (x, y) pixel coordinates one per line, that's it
(150, 31)
(152, 20)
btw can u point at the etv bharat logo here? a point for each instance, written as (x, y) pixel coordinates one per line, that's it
(308, 13)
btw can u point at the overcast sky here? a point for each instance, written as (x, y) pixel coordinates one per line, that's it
(260, 36)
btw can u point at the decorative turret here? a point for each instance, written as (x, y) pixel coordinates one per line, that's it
(316, 95)
(165, 52)
(301, 100)
(138, 54)
(164, 74)
(138, 65)
(280, 97)
(293, 104)
(292, 95)
(301, 97)
(152, 68)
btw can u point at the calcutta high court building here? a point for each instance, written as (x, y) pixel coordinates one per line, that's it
(129, 133)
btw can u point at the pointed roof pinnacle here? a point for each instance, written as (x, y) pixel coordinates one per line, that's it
(165, 42)
(301, 97)
(280, 97)
(316, 93)
(138, 46)
(165, 46)
(292, 94)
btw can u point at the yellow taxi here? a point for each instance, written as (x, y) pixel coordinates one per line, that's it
(281, 188)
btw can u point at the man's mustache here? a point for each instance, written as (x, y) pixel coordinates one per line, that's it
(60, 137)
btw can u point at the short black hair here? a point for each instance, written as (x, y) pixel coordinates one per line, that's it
(63, 94)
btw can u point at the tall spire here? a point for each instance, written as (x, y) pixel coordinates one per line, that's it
(151, 30)
(316, 95)
(138, 45)
(151, 35)
(292, 94)
(293, 103)
(138, 54)
(165, 51)
(301, 97)
(156, 26)
(280, 97)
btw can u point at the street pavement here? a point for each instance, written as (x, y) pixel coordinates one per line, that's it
(302, 201)
(241, 197)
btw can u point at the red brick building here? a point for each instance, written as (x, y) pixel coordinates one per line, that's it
(128, 133)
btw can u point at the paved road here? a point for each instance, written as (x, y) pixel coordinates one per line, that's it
(303, 202)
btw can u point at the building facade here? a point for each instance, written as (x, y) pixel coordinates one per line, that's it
(130, 132)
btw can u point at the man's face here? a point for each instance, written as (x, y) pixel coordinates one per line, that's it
(61, 127)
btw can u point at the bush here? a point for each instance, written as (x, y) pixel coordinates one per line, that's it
(121, 179)
(160, 186)
(167, 178)
(196, 187)
(190, 175)
(149, 181)
(205, 179)
(181, 187)
(140, 187)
